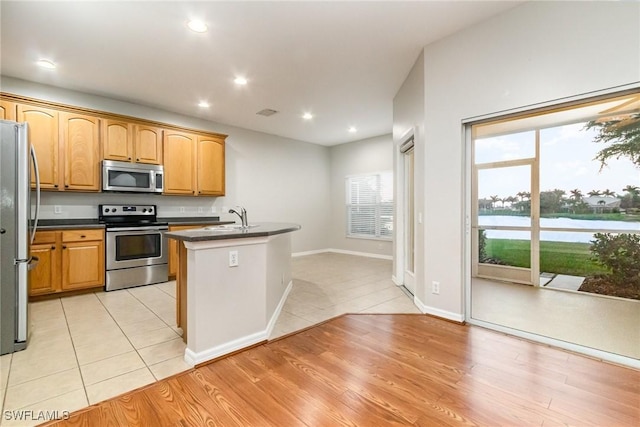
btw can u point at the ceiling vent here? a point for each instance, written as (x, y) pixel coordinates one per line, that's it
(266, 112)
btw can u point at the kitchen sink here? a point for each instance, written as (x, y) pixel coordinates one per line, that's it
(229, 227)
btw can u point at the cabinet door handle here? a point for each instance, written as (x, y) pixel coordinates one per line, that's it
(137, 160)
(53, 248)
(55, 185)
(64, 246)
(129, 158)
(82, 236)
(66, 186)
(2, 231)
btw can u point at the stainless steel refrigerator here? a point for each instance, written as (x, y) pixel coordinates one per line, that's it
(16, 233)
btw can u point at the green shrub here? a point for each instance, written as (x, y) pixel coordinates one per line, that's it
(619, 253)
(482, 246)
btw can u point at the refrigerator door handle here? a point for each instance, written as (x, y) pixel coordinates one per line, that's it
(33, 263)
(37, 174)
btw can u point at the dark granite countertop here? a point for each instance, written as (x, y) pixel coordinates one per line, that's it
(256, 230)
(52, 224)
(70, 223)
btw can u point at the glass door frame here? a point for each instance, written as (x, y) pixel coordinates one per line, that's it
(531, 275)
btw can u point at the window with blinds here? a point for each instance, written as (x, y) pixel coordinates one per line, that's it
(370, 206)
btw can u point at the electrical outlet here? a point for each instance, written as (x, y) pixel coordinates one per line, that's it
(435, 288)
(233, 258)
(57, 209)
(181, 209)
(200, 209)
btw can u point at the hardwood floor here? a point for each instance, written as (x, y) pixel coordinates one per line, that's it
(383, 370)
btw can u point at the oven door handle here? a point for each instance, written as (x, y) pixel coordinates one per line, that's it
(142, 230)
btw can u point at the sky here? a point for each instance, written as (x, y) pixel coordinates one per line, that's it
(566, 163)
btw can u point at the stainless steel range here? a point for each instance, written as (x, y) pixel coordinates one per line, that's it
(135, 247)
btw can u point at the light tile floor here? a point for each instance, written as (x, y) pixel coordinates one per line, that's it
(329, 284)
(88, 348)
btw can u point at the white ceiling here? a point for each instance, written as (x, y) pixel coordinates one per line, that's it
(341, 61)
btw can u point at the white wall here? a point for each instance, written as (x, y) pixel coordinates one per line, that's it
(535, 53)
(274, 178)
(355, 158)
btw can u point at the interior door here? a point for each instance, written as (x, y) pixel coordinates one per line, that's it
(409, 221)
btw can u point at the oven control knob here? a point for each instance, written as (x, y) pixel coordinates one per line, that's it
(114, 209)
(144, 210)
(150, 210)
(106, 209)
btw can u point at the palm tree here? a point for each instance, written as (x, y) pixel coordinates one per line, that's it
(632, 189)
(493, 200)
(593, 193)
(576, 195)
(608, 192)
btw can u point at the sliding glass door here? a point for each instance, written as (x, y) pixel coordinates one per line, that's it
(555, 193)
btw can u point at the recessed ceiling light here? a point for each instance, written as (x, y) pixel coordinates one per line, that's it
(204, 104)
(352, 129)
(240, 81)
(307, 116)
(45, 63)
(197, 26)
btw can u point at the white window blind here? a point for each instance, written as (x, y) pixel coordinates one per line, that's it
(370, 206)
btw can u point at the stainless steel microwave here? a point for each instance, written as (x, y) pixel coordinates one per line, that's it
(132, 177)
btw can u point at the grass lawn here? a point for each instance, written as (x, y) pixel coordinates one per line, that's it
(555, 257)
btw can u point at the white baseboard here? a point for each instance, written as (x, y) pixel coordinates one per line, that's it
(343, 251)
(315, 252)
(193, 358)
(276, 313)
(395, 280)
(456, 317)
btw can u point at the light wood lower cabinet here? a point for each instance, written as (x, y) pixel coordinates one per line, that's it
(68, 260)
(174, 249)
(45, 278)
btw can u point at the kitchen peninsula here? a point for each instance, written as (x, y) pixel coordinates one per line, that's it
(232, 282)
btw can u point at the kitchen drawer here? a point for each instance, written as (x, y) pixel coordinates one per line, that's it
(81, 235)
(44, 237)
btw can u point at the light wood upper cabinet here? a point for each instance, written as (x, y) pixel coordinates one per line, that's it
(148, 144)
(67, 148)
(180, 163)
(70, 143)
(130, 142)
(81, 139)
(211, 174)
(117, 140)
(194, 164)
(7, 110)
(43, 136)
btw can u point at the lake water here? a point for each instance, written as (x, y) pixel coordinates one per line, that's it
(554, 236)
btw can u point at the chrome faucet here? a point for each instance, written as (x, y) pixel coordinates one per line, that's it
(242, 214)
